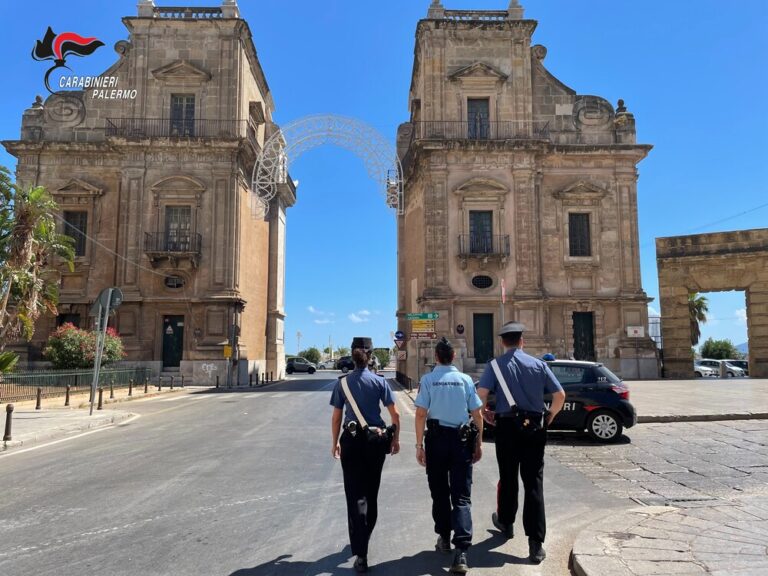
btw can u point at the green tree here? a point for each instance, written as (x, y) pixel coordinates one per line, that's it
(312, 354)
(29, 244)
(70, 347)
(342, 351)
(383, 354)
(697, 311)
(719, 349)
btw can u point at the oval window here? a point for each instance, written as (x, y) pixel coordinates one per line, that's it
(174, 282)
(482, 282)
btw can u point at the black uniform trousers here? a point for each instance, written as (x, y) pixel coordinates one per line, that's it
(449, 474)
(522, 452)
(362, 464)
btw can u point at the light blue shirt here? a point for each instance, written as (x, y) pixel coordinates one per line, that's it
(527, 378)
(447, 395)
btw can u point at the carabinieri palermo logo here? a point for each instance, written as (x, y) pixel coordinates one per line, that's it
(58, 47)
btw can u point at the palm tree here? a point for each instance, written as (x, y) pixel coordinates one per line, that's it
(697, 310)
(29, 244)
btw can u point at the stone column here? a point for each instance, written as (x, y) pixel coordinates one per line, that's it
(675, 328)
(757, 329)
(275, 347)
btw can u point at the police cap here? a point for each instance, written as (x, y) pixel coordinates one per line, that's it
(511, 328)
(362, 342)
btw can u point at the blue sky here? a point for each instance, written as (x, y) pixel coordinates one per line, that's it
(692, 72)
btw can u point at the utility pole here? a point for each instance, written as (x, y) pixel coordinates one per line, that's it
(298, 342)
(330, 347)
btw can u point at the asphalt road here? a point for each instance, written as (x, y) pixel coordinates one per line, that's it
(243, 484)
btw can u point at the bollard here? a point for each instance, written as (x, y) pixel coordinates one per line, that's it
(270, 378)
(101, 398)
(111, 391)
(257, 377)
(146, 384)
(8, 420)
(130, 387)
(217, 380)
(263, 378)
(66, 396)
(182, 380)
(38, 406)
(171, 382)
(250, 380)
(159, 383)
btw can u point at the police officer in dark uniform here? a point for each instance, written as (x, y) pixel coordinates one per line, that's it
(363, 445)
(520, 382)
(452, 446)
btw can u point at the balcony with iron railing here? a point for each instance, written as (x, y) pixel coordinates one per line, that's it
(140, 128)
(483, 246)
(479, 129)
(173, 246)
(186, 12)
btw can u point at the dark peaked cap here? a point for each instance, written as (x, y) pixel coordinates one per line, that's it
(512, 327)
(362, 342)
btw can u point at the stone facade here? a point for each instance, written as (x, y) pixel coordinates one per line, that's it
(500, 161)
(160, 183)
(711, 263)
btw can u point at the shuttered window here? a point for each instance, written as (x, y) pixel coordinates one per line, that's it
(76, 227)
(578, 234)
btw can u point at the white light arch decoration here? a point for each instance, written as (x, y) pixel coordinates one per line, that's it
(290, 141)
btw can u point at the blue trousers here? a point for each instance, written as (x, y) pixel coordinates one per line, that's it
(449, 473)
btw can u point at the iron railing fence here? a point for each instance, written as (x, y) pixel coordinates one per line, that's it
(21, 386)
(186, 243)
(138, 128)
(187, 13)
(480, 129)
(480, 245)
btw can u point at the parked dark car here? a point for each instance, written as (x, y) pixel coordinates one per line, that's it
(596, 400)
(299, 364)
(345, 364)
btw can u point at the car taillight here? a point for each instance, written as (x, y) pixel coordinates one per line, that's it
(622, 390)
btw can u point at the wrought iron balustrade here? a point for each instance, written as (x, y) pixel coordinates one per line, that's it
(483, 245)
(187, 13)
(168, 243)
(137, 128)
(474, 15)
(479, 129)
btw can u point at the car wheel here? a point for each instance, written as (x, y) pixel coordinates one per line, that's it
(603, 426)
(729, 375)
(345, 369)
(698, 375)
(311, 370)
(289, 370)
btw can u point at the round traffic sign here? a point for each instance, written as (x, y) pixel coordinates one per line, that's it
(399, 335)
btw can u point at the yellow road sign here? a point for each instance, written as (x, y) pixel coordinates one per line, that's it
(227, 351)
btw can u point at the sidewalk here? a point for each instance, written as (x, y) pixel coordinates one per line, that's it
(729, 538)
(55, 421)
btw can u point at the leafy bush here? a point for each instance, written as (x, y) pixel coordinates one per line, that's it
(70, 348)
(312, 354)
(719, 349)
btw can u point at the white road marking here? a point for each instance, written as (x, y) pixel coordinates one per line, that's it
(38, 447)
(278, 395)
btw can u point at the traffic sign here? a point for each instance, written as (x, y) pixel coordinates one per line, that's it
(423, 336)
(399, 335)
(422, 316)
(227, 351)
(422, 325)
(402, 355)
(399, 344)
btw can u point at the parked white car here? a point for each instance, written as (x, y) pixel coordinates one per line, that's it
(731, 371)
(327, 365)
(704, 371)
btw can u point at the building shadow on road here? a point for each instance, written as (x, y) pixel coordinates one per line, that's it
(425, 563)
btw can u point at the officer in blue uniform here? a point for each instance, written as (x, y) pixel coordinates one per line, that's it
(452, 446)
(521, 434)
(362, 447)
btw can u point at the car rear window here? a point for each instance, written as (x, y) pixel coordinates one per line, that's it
(569, 374)
(605, 375)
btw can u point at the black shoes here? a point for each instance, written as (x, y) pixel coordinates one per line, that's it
(507, 530)
(459, 565)
(443, 544)
(361, 564)
(536, 553)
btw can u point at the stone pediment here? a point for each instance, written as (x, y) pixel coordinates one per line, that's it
(179, 184)
(181, 72)
(77, 187)
(481, 188)
(582, 191)
(478, 70)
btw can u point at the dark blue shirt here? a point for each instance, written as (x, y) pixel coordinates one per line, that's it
(528, 380)
(368, 389)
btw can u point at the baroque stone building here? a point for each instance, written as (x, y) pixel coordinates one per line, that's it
(515, 181)
(156, 176)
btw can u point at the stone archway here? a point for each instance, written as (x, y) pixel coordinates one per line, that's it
(290, 141)
(711, 263)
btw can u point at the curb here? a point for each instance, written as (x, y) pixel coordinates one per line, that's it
(702, 417)
(103, 421)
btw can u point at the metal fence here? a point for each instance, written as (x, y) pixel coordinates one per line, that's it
(20, 386)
